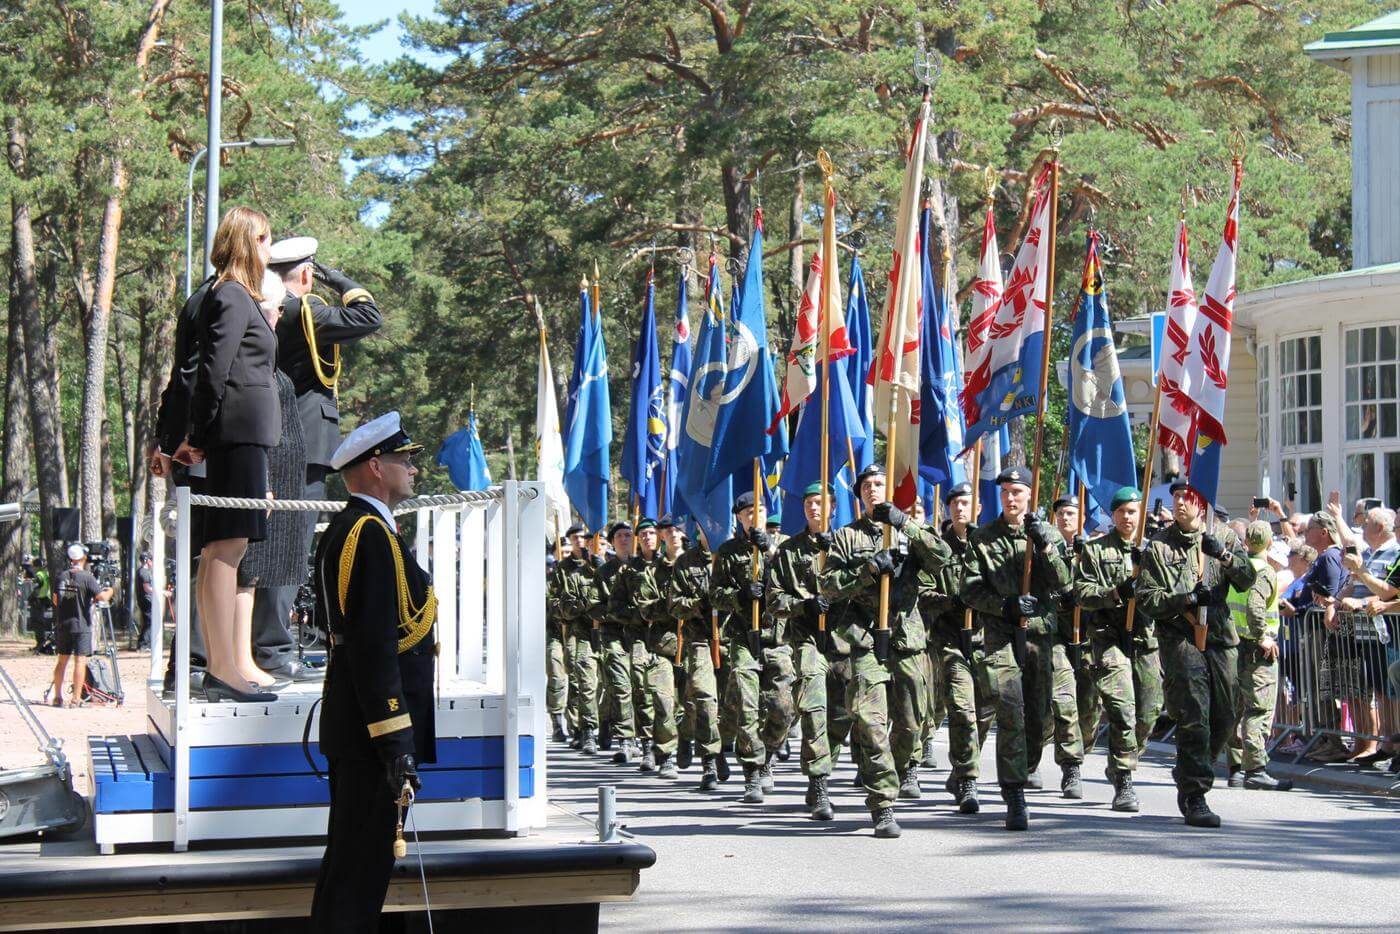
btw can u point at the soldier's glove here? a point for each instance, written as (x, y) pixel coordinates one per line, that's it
(333, 278)
(402, 769)
(1136, 553)
(1065, 600)
(1212, 546)
(1037, 531)
(819, 605)
(881, 563)
(598, 561)
(1026, 605)
(1204, 596)
(823, 541)
(1078, 543)
(1126, 589)
(759, 539)
(756, 590)
(890, 514)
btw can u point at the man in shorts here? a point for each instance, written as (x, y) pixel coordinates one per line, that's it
(73, 596)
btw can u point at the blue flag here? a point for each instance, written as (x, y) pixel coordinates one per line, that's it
(704, 388)
(672, 502)
(804, 463)
(749, 398)
(858, 363)
(988, 493)
(644, 446)
(588, 434)
(464, 459)
(940, 415)
(1101, 454)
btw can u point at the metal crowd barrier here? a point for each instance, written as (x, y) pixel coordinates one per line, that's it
(1333, 677)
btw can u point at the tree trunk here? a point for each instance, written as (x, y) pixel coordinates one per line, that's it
(796, 267)
(45, 426)
(738, 211)
(16, 467)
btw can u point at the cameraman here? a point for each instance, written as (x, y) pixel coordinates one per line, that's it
(74, 594)
(145, 593)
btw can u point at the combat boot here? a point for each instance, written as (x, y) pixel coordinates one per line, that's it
(1236, 779)
(967, 796)
(1198, 813)
(930, 758)
(590, 742)
(685, 754)
(561, 732)
(666, 767)
(811, 797)
(753, 787)
(576, 741)
(820, 804)
(886, 827)
(1034, 781)
(1017, 817)
(765, 773)
(909, 788)
(722, 767)
(1124, 797)
(648, 757)
(605, 735)
(1070, 784)
(784, 752)
(1260, 780)
(626, 752)
(709, 781)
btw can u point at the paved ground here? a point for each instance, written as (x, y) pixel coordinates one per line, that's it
(1301, 860)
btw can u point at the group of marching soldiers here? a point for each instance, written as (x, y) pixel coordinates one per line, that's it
(666, 652)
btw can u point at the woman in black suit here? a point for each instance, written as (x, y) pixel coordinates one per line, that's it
(235, 418)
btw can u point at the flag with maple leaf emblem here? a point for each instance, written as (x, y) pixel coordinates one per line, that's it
(1006, 382)
(1176, 422)
(986, 296)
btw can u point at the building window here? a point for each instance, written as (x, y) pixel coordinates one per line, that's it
(1300, 390)
(1372, 412)
(1302, 482)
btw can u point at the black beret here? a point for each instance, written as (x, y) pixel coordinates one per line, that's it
(742, 501)
(576, 529)
(871, 470)
(956, 490)
(618, 527)
(1064, 501)
(1014, 474)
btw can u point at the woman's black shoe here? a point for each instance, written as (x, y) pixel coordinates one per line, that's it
(216, 691)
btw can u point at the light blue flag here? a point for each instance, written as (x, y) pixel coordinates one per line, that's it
(988, 493)
(588, 434)
(1101, 451)
(803, 466)
(464, 459)
(858, 364)
(672, 502)
(644, 445)
(711, 509)
(940, 415)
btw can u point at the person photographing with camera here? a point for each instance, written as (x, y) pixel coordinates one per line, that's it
(74, 594)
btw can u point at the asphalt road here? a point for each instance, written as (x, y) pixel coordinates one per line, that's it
(1297, 861)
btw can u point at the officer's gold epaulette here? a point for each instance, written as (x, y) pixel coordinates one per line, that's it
(414, 622)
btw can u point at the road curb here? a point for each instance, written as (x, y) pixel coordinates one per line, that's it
(1336, 777)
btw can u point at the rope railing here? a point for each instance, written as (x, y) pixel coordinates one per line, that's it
(474, 498)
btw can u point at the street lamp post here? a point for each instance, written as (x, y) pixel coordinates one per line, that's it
(258, 142)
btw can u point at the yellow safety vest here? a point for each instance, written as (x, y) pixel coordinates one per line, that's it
(1238, 602)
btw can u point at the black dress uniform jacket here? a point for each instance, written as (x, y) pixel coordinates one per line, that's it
(378, 697)
(235, 392)
(331, 326)
(173, 416)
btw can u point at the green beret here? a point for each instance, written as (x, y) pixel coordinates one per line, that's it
(815, 489)
(645, 524)
(1125, 495)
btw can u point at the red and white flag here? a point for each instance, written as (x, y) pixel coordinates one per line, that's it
(894, 371)
(1176, 425)
(986, 297)
(1209, 364)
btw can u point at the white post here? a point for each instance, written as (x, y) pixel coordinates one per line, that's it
(157, 582)
(422, 539)
(470, 649)
(510, 646)
(445, 586)
(495, 586)
(182, 669)
(530, 672)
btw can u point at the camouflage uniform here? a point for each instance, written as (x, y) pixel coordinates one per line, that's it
(624, 612)
(1200, 686)
(992, 576)
(1106, 563)
(663, 645)
(570, 597)
(966, 694)
(616, 652)
(758, 697)
(688, 599)
(1074, 706)
(1258, 676)
(556, 656)
(854, 592)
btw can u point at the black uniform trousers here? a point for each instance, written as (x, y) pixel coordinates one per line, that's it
(359, 857)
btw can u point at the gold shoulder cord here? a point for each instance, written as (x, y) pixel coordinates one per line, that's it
(415, 622)
(318, 364)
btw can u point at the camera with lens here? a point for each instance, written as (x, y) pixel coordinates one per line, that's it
(101, 563)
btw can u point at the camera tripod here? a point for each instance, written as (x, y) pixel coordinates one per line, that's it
(104, 677)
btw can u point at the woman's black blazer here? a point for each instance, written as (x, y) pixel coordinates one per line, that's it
(235, 392)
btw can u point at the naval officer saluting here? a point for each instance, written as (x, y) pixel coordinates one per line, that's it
(377, 715)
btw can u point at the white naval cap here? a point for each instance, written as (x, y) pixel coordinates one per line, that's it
(292, 250)
(384, 435)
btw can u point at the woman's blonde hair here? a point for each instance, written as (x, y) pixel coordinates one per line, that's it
(235, 252)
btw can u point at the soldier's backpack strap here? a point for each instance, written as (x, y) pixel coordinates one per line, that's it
(415, 622)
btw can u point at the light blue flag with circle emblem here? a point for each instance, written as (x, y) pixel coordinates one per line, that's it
(644, 445)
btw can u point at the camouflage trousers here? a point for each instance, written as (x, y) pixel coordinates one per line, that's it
(1254, 708)
(937, 694)
(867, 699)
(617, 676)
(1022, 701)
(1074, 707)
(641, 697)
(1113, 681)
(1147, 692)
(701, 698)
(556, 671)
(759, 698)
(909, 702)
(659, 682)
(585, 675)
(821, 707)
(970, 702)
(1200, 689)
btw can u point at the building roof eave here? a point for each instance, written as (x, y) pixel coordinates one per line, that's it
(1260, 302)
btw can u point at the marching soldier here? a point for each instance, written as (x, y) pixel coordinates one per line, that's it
(1074, 706)
(759, 693)
(957, 651)
(570, 596)
(794, 596)
(1018, 655)
(377, 722)
(1103, 585)
(689, 602)
(856, 562)
(625, 611)
(663, 646)
(556, 649)
(1187, 572)
(614, 647)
